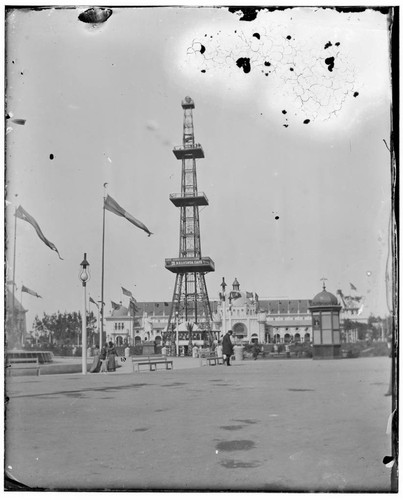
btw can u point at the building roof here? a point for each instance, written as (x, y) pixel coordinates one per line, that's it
(324, 298)
(242, 300)
(284, 306)
(120, 311)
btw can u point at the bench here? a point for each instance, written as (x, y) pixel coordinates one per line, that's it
(23, 364)
(152, 362)
(215, 360)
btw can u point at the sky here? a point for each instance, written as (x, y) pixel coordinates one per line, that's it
(293, 112)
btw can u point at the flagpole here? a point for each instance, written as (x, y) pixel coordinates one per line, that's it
(99, 329)
(102, 272)
(14, 259)
(21, 329)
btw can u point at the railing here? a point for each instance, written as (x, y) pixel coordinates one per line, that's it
(188, 195)
(195, 145)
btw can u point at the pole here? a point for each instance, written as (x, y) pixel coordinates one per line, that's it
(99, 332)
(177, 335)
(102, 275)
(223, 315)
(229, 315)
(21, 332)
(13, 322)
(84, 332)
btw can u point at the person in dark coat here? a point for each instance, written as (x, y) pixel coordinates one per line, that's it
(256, 351)
(227, 347)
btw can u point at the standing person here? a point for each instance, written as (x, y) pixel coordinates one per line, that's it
(103, 359)
(96, 362)
(110, 354)
(227, 347)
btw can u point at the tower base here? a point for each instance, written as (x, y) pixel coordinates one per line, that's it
(326, 351)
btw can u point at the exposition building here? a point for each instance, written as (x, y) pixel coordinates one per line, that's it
(250, 318)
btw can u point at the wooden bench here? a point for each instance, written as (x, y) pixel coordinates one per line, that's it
(23, 364)
(152, 362)
(215, 360)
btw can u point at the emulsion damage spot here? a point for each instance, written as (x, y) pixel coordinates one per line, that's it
(244, 63)
(330, 63)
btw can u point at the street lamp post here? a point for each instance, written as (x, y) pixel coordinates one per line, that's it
(84, 277)
(223, 308)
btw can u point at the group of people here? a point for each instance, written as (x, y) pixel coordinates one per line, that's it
(104, 359)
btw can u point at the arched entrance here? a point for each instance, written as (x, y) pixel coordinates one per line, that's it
(137, 340)
(254, 338)
(240, 331)
(119, 340)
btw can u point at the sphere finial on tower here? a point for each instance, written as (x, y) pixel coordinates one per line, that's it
(188, 103)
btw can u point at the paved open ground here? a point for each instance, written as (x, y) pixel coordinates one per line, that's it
(266, 425)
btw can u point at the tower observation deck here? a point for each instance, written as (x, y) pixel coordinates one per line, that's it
(190, 302)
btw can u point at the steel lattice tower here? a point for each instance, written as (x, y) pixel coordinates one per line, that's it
(190, 302)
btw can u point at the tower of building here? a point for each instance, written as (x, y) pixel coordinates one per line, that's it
(190, 302)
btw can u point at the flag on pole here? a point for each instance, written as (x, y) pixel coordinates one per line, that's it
(352, 287)
(127, 292)
(249, 295)
(133, 307)
(31, 292)
(24, 215)
(114, 305)
(93, 301)
(111, 205)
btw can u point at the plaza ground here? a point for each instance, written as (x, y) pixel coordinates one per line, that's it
(268, 425)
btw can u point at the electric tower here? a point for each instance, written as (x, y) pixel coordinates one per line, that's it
(190, 302)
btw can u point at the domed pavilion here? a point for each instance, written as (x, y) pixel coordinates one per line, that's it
(325, 311)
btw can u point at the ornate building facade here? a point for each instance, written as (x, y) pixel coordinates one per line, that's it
(250, 318)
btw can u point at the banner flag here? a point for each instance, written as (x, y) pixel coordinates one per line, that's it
(31, 292)
(352, 287)
(93, 301)
(114, 305)
(111, 205)
(24, 215)
(249, 295)
(127, 292)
